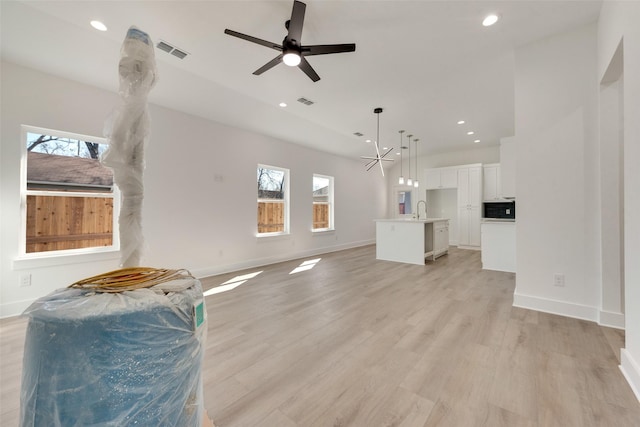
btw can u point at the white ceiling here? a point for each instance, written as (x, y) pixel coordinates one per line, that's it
(427, 63)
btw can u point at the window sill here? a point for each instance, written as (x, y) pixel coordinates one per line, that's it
(267, 235)
(323, 231)
(52, 259)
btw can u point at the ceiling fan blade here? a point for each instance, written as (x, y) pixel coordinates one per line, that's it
(275, 61)
(324, 49)
(296, 22)
(308, 70)
(253, 39)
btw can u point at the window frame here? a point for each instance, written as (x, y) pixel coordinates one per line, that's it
(24, 192)
(286, 201)
(330, 202)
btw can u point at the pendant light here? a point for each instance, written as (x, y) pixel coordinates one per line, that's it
(401, 179)
(409, 181)
(415, 183)
(378, 158)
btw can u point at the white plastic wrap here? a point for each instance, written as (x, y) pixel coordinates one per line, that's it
(127, 130)
(114, 359)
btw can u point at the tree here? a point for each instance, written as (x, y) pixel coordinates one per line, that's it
(93, 148)
(53, 145)
(42, 139)
(270, 183)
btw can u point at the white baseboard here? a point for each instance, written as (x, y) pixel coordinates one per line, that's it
(561, 308)
(631, 371)
(14, 308)
(472, 248)
(259, 262)
(611, 319)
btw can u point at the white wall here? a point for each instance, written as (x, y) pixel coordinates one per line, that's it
(557, 174)
(619, 22)
(200, 191)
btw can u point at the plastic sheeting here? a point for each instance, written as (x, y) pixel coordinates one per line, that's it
(114, 359)
(128, 130)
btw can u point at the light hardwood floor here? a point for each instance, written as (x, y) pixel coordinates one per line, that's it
(358, 342)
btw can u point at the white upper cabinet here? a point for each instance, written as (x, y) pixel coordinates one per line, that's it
(492, 186)
(441, 178)
(470, 186)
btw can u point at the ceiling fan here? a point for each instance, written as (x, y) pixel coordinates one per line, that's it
(292, 51)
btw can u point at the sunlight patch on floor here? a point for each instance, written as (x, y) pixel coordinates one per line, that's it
(306, 265)
(231, 284)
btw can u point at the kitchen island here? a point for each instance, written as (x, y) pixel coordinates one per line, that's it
(411, 240)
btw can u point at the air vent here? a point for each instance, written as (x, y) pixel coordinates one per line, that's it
(358, 134)
(164, 46)
(172, 50)
(180, 54)
(305, 101)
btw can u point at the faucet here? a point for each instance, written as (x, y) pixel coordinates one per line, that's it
(418, 208)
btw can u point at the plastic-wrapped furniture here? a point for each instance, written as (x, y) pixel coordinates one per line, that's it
(132, 358)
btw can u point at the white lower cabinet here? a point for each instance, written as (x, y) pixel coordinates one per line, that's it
(440, 238)
(499, 246)
(469, 218)
(469, 206)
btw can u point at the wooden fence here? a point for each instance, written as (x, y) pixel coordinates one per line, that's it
(59, 222)
(320, 215)
(271, 216)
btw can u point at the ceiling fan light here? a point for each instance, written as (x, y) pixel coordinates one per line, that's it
(292, 59)
(489, 20)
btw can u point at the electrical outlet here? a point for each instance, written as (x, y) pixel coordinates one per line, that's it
(25, 280)
(558, 280)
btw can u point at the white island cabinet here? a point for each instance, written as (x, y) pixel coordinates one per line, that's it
(411, 240)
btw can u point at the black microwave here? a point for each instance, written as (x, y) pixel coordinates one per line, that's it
(499, 210)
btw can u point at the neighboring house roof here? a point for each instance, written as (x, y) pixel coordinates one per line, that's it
(66, 170)
(321, 194)
(324, 191)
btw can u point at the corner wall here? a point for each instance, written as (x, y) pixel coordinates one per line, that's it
(619, 22)
(557, 176)
(200, 191)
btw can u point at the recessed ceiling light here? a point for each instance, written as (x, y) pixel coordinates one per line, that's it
(98, 25)
(283, 104)
(398, 153)
(385, 148)
(476, 141)
(368, 140)
(460, 122)
(489, 20)
(470, 132)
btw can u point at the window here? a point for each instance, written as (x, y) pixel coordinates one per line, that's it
(273, 200)
(322, 203)
(68, 195)
(404, 202)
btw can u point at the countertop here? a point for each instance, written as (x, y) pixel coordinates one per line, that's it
(423, 221)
